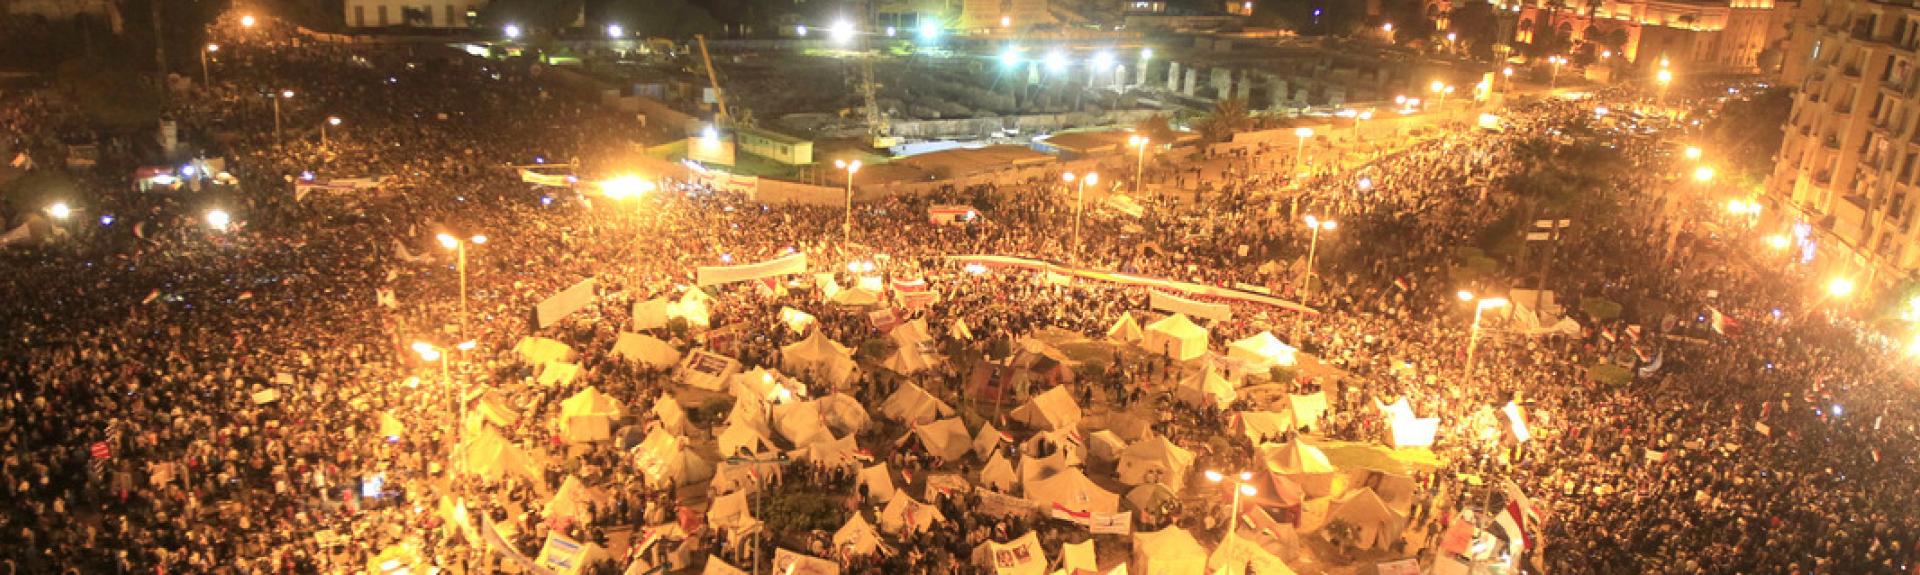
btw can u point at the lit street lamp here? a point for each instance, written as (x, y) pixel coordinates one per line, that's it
(331, 121)
(512, 31)
(615, 31)
(1300, 150)
(1480, 306)
(206, 76)
(1241, 486)
(851, 168)
(1840, 287)
(277, 97)
(624, 187)
(1079, 202)
(1139, 158)
(248, 21)
(1692, 152)
(1313, 247)
(218, 219)
(459, 248)
(1553, 76)
(434, 354)
(59, 211)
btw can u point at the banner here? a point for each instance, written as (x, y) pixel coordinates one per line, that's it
(1021, 556)
(561, 553)
(789, 563)
(723, 181)
(1002, 505)
(561, 304)
(946, 215)
(1132, 280)
(1110, 523)
(716, 275)
(537, 178)
(1176, 304)
(335, 185)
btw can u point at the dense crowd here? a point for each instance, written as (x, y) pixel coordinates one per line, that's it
(154, 336)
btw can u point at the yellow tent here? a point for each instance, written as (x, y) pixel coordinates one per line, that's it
(905, 515)
(879, 482)
(646, 349)
(911, 404)
(492, 457)
(1155, 460)
(588, 416)
(665, 459)
(947, 438)
(824, 358)
(573, 498)
(857, 537)
(1176, 337)
(541, 351)
(1125, 330)
(1170, 551)
(1302, 464)
(1053, 410)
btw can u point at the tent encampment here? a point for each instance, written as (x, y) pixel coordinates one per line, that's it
(843, 414)
(1206, 388)
(558, 373)
(1052, 410)
(1170, 551)
(738, 439)
(1155, 460)
(800, 423)
(1302, 464)
(667, 460)
(842, 452)
(905, 515)
(708, 370)
(541, 351)
(1238, 555)
(1070, 490)
(910, 404)
(645, 349)
(857, 537)
(588, 416)
(998, 474)
(1261, 426)
(672, 416)
(572, 499)
(823, 358)
(946, 439)
(1176, 337)
(492, 457)
(879, 482)
(1375, 525)
(1125, 330)
(731, 512)
(1105, 445)
(1262, 351)
(1308, 408)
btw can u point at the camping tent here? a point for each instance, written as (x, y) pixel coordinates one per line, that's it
(692, 307)
(1150, 499)
(842, 452)
(588, 416)
(1155, 459)
(1375, 525)
(1125, 330)
(800, 423)
(667, 460)
(825, 359)
(1260, 426)
(905, 515)
(879, 482)
(572, 499)
(1206, 387)
(856, 296)
(907, 359)
(1308, 408)
(1069, 489)
(946, 439)
(764, 385)
(1105, 445)
(1177, 337)
(998, 474)
(492, 457)
(645, 349)
(745, 475)
(541, 351)
(856, 537)
(1170, 551)
(738, 437)
(1262, 351)
(1303, 464)
(911, 404)
(1053, 410)
(558, 373)
(1064, 443)
(731, 511)
(843, 414)
(796, 320)
(987, 440)
(672, 417)
(913, 333)
(1241, 556)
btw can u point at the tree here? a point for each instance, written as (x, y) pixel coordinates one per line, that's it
(1157, 129)
(1476, 25)
(550, 16)
(1601, 309)
(670, 18)
(1227, 117)
(110, 98)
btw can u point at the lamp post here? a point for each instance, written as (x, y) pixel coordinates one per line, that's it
(277, 97)
(218, 219)
(331, 121)
(1363, 116)
(1313, 248)
(851, 168)
(206, 76)
(1506, 79)
(1139, 157)
(1480, 306)
(1663, 78)
(248, 21)
(1553, 75)
(431, 354)
(1079, 203)
(1300, 149)
(1240, 487)
(459, 248)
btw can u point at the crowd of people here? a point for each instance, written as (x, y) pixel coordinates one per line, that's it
(181, 398)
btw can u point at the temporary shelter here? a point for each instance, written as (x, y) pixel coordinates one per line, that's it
(651, 314)
(1105, 445)
(946, 439)
(1177, 337)
(692, 307)
(667, 460)
(738, 438)
(645, 349)
(1260, 426)
(1262, 351)
(572, 500)
(857, 537)
(558, 373)
(1150, 499)
(1238, 555)
(913, 333)
(1071, 490)
(708, 370)
(1125, 330)
(492, 407)
(753, 414)
(731, 512)
(563, 556)
(672, 417)
(879, 482)
(1375, 525)
(1303, 464)
(842, 452)
(744, 475)
(800, 423)
(796, 320)
(855, 296)
(492, 457)
(588, 416)
(1063, 444)
(1155, 460)
(823, 358)
(764, 385)
(911, 404)
(1308, 408)
(1170, 551)
(1052, 410)
(1206, 388)
(907, 360)
(987, 441)
(540, 350)
(998, 474)
(905, 515)
(843, 414)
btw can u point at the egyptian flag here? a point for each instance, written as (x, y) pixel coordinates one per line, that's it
(1516, 417)
(1722, 323)
(1520, 513)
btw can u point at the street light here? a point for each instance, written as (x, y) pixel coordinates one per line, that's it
(206, 76)
(1241, 486)
(1313, 247)
(1480, 306)
(434, 354)
(1840, 287)
(512, 31)
(331, 121)
(615, 31)
(1300, 150)
(850, 168)
(459, 248)
(59, 211)
(841, 31)
(1553, 76)
(929, 30)
(1693, 152)
(1056, 61)
(1779, 241)
(1139, 157)
(248, 21)
(627, 186)
(277, 97)
(1703, 174)
(218, 219)
(1079, 202)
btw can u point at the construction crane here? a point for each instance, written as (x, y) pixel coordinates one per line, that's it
(719, 97)
(877, 125)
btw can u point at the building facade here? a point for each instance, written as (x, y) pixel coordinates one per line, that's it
(413, 13)
(1845, 177)
(1702, 35)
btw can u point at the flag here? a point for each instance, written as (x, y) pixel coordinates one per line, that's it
(384, 297)
(153, 295)
(1508, 529)
(1722, 324)
(1516, 417)
(1653, 366)
(1520, 511)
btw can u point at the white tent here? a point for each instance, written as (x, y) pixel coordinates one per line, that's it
(572, 499)
(998, 474)
(1302, 464)
(842, 452)
(857, 537)
(907, 360)
(588, 416)
(1262, 351)
(986, 442)
(946, 439)
(692, 307)
(856, 296)
(822, 357)
(1125, 330)
(752, 414)
(800, 423)
(541, 351)
(796, 320)
(738, 437)
(764, 385)
(1375, 525)
(645, 349)
(1206, 387)
(666, 460)
(1406, 429)
(1260, 426)
(1177, 337)
(1105, 445)
(1308, 408)
(1066, 446)
(708, 370)
(672, 417)
(1155, 460)
(1070, 489)
(558, 373)
(879, 482)
(731, 512)
(1170, 551)
(650, 314)
(911, 404)
(746, 475)
(911, 333)
(843, 414)
(1052, 410)
(1241, 556)
(905, 515)
(493, 458)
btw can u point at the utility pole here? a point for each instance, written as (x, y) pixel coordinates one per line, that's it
(1547, 231)
(159, 44)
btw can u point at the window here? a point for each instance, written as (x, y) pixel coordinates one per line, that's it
(383, 15)
(449, 21)
(360, 16)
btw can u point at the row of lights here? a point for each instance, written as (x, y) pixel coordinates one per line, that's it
(1057, 60)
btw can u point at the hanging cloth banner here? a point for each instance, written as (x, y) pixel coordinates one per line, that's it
(716, 275)
(1133, 280)
(1173, 303)
(566, 302)
(554, 180)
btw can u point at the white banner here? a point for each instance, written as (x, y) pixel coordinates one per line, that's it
(728, 182)
(566, 302)
(1021, 556)
(789, 563)
(336, 185)
(1110, 523)
(1173, 303)
(533, 177)
(716, 275)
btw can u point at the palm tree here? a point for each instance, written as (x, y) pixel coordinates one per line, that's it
(1227, 117)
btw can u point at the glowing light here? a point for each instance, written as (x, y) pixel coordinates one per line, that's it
(1010, 57)
(448, 241)
(1366, 183)
(1056, 61)
(891, 32)
(1840, 287)
(1703, 173)
(427, 351)
(1437, 86)
(513, 30)
(1006, 21)
(1693, 152)
(213, 47)
(929, 31)
(218, 219)
(333, 120)
(1664, 76)
(800, 30)
(1493, 302)
(1464, 295)
(59, 210)
(1779, 241)
(1248, 490)
(710, 134)
(615, 31)
(841, 31)
(1146, 53)
(1102, 61)
(626, 186)
(106, 220)
(248, 21)
(1303, 132)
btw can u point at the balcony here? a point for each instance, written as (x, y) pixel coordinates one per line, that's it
(1831, 142)
(1823, 177)
(1851, 71)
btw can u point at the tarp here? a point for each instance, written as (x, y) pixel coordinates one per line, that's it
(790, 563)
(732, 512)
(1052, 410)
(910, 404)
(1132, 280)
(672, 417)
(1262, 351)
(823, 358)
(843, 414)
(1070, 490)
(879, 482)
(645, 349)
(904, 515)
(1375, 525)
(1307, 408)
(650, 314)
(1303, 464)
(717, 275)
(1125, 329)
(572, 499)
(558, 373)
(1105, 445)
(1170, 551)
(1155, 459)
(566, 302)
(1238, 555)
(1261, 426)
(1177, 337)
(946, 438)
(738, 437)
(796, 320)
(708, 370)
(588, 416)
(1206, 388)
(667, 460)
(857, 537)
(1179, 305)
(541, 351)
(492, 457)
